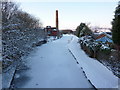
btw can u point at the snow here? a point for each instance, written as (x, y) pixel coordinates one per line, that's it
(96, 72)
(7, 77)
(104, 47)
(104, 39)
(16, 43)
(0, 81)
(53, 66)
(17, 76)
(117, 14)
(0, 58)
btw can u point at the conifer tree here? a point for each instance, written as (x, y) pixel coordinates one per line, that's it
(79, 28)
(116, 26)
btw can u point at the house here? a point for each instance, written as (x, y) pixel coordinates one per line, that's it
(105, 37)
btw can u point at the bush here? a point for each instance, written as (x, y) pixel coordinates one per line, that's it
(106, 51)
(19, 31)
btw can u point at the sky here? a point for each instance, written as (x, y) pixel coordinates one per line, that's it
(71, 13)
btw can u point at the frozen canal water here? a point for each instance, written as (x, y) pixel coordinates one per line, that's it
(53, 66)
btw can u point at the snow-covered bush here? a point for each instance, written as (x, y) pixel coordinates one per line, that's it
(90, 42)
(105, 49)
(102, 52)
(92, 47)
(20, 31)
(16, 44)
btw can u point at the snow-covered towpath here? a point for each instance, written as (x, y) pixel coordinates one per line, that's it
(53, 66)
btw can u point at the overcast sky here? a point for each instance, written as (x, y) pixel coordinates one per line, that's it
(71, 14)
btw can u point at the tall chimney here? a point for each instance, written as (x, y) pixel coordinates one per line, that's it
(57, 19)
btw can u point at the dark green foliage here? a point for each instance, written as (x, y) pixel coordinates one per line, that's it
(116, 26)
(86, 31)
(106, 51)
(83, 30)
(79, 28)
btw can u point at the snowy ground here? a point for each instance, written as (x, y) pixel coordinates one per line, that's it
(53, 65)
(96, 72)
(0, 81)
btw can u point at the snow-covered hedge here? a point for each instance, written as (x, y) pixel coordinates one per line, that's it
(92, 44)
(89, 45)
(20, 31)
(17, 43)
(102, 52)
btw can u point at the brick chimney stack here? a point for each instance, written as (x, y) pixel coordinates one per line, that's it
(57, 19)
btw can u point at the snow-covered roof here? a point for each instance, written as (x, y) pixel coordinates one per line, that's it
(105, 39)
(108, 34)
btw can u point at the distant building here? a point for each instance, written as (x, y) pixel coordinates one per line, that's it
(105, 37)
(51, 31)
(67, 31)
